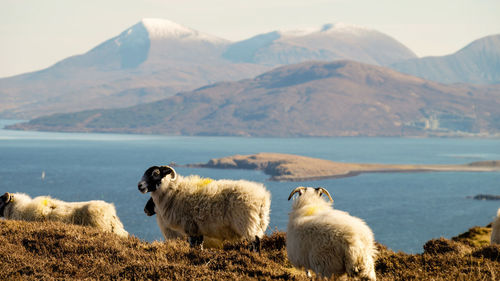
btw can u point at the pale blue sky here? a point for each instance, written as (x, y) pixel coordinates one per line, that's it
(35, 34)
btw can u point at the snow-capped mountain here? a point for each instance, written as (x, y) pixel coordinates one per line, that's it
(151, 40)
(151, 60)
(329, 42)
(157, 58)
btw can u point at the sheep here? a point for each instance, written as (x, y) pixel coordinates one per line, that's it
(96, 213)
(168, 233)
(200, 207)
(495, 230)
(328, 241)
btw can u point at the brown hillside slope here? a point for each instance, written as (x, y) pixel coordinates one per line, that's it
(341, 98)
(49, 251)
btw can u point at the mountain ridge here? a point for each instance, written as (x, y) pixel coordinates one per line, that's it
(151, 60)
(477, 63)
(342, 98)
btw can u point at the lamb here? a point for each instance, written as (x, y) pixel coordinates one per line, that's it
(96, 213)
(200, 207)
(328, 241)
(495, 230)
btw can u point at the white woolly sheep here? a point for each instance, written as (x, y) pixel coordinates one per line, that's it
(150, 210)
(170, 234)
(328, 241)
(96, 213)
(495, 230)
(200, 207)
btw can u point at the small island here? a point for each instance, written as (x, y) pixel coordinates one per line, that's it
(485, 197)
(288, 167)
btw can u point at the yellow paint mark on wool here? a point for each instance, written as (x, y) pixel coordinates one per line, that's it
(311, 210)
(204, 182)
(45, 202)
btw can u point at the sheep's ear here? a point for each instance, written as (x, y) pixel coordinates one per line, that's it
(321, 190)
(6, 198)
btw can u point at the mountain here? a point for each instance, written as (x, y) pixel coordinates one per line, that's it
(151, 60)
(330, 42)
(157, 58)
(478, 63)
(342, 98)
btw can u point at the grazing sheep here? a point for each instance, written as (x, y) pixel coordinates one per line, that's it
(200, 207)
(19, 206)
(495, 230)
(328, 241)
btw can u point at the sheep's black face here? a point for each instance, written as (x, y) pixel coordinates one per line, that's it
(4, 200)
(152, 178)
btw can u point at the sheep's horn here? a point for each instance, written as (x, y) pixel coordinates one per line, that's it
(299, 189)
(172, 172)
(324, 191)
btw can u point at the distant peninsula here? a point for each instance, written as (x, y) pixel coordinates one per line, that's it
(288, 167)
(485, 197)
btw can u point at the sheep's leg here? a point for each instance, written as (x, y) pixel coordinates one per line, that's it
(194, 236)
(195, 241)
(255, 246)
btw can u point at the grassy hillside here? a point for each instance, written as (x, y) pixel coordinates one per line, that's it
(48, 251)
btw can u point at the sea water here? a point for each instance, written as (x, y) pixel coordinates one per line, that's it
(404, 209)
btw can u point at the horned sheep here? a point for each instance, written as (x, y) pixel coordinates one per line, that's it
(201, 207)
(96, 213)
(495, 230)
(328, 241)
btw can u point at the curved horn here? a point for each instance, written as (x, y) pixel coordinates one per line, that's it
(299, 189)
(324, 191)
(171, 171)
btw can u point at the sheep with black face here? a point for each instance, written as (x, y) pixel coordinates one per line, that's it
(201, 207)
(328, 241)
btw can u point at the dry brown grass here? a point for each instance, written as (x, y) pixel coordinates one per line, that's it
(49, 251)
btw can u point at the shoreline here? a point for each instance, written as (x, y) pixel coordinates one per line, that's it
(288, 167)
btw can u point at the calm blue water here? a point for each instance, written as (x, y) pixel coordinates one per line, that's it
(404, 210)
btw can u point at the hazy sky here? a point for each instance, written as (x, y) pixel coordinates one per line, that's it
(35, 34)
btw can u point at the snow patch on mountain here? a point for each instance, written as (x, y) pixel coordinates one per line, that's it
(166, 29)
(345, 28)
(329, 28)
